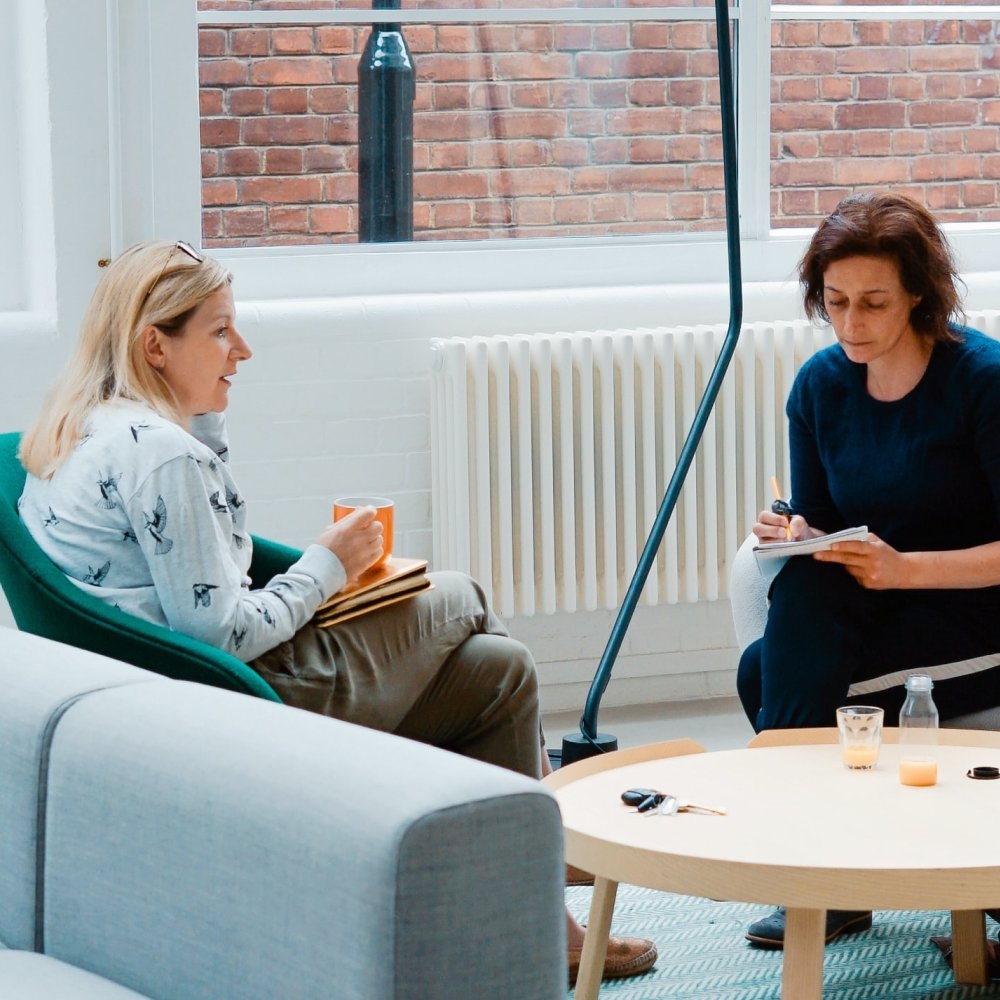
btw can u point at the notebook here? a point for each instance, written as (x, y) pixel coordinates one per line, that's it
(396, 580)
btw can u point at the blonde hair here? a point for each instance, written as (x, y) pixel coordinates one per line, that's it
(150, 284)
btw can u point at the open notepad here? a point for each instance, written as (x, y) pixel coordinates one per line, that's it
(771, 556)
(397, 580)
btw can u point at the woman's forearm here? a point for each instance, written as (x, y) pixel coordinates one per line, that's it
(954, 569)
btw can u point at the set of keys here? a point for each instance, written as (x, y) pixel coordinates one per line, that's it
(646, 800)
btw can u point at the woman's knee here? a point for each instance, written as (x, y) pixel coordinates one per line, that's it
(806, 588)
(523, 667)
(456, 586)
(748, 683)
(811, 647)
(460, 596)
(507, 662)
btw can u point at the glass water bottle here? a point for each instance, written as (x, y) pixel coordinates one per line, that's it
(918, 733)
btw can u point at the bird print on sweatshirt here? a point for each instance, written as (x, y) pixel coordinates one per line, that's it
(108, 486)
(99, 575)
(217, 505)
(147, 516)
(239, 634)
(203, 594)
(156, 524)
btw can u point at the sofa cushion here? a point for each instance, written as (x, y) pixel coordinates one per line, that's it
(38, 680)
(26, 975)
(206, 845)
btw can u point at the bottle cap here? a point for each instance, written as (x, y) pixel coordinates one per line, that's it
(983, 773)
(919, 682)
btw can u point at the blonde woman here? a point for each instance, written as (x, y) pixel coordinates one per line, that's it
(130, 493)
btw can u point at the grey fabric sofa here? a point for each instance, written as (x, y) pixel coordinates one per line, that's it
(166, 840)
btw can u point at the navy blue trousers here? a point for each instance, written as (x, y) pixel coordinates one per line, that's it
(825, 632)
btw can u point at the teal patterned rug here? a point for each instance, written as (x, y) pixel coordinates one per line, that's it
(703, 955)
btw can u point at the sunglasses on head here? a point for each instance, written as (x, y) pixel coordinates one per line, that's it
(196, 255)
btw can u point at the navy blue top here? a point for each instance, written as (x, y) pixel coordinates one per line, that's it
(923, 472)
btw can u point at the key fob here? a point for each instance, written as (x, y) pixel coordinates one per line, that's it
(635, 796)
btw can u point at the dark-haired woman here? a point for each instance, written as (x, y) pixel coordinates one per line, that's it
(897, 427)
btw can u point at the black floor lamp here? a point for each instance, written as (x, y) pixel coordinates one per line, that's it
(589, 742)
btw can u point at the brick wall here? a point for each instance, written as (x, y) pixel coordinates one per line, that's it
(910, 105)
(588, 128)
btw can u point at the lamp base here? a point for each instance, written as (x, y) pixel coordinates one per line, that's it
(578, 747)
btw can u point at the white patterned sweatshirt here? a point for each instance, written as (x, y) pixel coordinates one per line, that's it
(147, 517)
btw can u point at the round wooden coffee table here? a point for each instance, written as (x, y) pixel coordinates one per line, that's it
(800, 830)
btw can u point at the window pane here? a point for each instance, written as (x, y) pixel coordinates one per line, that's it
(11, 157)
(567, 129)
(882, 3)
(911, 105)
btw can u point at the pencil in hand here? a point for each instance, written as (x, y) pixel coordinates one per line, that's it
(781, 506)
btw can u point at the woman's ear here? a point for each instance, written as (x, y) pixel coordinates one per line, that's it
(152, 347)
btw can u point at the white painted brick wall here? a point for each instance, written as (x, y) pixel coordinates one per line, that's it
(670, 653)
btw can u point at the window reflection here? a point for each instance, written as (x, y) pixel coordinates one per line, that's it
(591, 126)
(910, 105)
(574, 129)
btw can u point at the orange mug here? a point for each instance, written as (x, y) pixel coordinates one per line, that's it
(343, 506)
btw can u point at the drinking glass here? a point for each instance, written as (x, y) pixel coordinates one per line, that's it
(860, 728)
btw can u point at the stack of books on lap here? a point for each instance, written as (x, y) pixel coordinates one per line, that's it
(394, 581)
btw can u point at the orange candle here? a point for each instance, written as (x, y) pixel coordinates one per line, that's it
(919, 773)
(859, 755)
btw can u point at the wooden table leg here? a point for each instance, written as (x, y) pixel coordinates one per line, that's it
(802, 970)
(968, 944)
(595, 944)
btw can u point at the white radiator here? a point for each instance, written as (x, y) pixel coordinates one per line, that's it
(551, 453)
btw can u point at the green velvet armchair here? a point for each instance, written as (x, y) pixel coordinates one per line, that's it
(44, 602)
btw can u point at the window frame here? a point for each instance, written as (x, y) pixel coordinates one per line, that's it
(105, 150)
(525, 264)
(27, 256)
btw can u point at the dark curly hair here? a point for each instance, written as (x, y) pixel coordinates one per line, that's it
(894, 226)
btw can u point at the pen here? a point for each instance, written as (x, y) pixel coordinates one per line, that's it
(779, 506)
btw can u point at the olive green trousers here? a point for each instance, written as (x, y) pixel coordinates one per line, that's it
(439, 667)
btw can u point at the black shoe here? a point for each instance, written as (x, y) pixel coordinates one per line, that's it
(770, 931)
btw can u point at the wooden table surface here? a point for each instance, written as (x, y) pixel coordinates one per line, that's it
(800, 830)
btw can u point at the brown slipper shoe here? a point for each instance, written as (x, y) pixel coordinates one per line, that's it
(627, 956)
(943, 944)
(577, 876)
